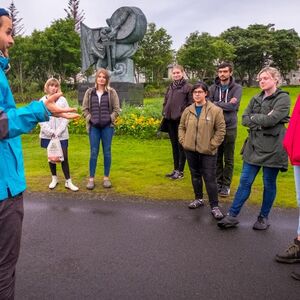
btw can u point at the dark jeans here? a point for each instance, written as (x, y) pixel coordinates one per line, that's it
(11, 217)
(178, 152)
(203, 166)
(225, 161)
(96, 135)
(248, 175)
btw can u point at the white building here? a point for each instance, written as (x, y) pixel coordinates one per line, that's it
(293, 77)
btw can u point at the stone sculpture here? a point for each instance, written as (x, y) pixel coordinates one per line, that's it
(112, 46)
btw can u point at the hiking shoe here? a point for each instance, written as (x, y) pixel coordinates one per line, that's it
(177, 175)
(170, 174)
(225, 191)
(196, 203)
(228, 222)
(295, 275)
(218, 215)
(107, 183)
(90, 185)
(291, 255)
(261, 223)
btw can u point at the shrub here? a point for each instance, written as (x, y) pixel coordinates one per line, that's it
(137, 121)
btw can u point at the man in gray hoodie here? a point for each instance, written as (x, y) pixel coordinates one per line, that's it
(226, 94)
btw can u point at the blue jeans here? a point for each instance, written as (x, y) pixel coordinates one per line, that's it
(96, 134)
(248, 175)
(297, 184)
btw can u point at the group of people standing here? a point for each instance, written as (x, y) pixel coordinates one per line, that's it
(207, 131)
(100, 109)
(202, 125)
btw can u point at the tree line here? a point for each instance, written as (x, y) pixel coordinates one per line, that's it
(249, 49)
(55, 51)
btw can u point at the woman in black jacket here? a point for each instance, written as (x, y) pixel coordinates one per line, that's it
(177, 98)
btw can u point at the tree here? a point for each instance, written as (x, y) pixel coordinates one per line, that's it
(201, 52)
(52, 52)
(285, 50)
(74, 13)
(261, 45)
(18, 28)
(154, 54)
(20, 69)
(253, 48)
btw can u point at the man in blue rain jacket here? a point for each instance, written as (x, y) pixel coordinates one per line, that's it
(13, 123)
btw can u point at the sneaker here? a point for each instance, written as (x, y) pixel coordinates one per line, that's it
(90, 185)
(107, 183)
(196, 203)
(291, 255)
(69, 185)
(261, 223)
(228, 222)
(218, 215)
(53, 183)
(295, 275)
(177, 175)
(170, 174)
(225, 191)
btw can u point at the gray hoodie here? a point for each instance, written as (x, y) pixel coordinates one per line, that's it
(222, 99)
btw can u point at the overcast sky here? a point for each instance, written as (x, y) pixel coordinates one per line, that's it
(178, 17)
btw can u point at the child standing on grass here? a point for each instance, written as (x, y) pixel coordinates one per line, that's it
(57, 127)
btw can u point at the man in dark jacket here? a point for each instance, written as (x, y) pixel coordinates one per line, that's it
(226, 93)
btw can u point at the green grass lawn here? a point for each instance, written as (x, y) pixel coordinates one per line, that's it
(139, 166)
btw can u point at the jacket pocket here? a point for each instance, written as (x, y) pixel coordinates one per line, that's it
(268, 142)
(244, 145)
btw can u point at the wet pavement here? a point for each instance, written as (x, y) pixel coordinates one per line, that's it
(88, 246)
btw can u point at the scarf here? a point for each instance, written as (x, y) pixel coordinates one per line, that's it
(176, 84)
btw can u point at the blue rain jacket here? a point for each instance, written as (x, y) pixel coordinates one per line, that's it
(13, 123)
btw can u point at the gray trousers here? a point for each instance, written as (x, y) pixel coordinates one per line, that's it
(11, 217)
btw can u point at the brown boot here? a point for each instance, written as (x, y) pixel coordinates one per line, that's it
(291, 255)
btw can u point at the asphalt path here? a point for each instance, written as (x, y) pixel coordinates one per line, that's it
(89, 246)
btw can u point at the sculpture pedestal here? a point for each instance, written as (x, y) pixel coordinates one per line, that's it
(131, 93)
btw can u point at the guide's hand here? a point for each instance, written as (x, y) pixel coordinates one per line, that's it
(68, 115)
(54, 109)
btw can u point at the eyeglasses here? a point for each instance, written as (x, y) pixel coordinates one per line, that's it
(198, 92)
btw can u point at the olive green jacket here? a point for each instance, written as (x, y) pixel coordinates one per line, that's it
(266, 119)
(205, 133)
(114, 106)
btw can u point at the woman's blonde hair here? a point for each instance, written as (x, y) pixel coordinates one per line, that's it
(52, 81)
(179, 67)
(273, 72)
(106, 75)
